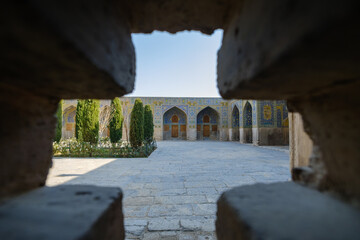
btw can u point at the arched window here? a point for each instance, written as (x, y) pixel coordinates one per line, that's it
(206, 119)
(174, 119)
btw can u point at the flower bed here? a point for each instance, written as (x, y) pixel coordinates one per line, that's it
(104, 149)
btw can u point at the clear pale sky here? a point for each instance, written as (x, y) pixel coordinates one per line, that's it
(176, 65)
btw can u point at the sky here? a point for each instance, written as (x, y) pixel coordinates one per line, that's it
(176, 65)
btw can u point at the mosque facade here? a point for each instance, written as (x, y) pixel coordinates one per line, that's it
(259, 122)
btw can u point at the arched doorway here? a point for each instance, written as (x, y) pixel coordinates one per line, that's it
(247, 123)
(235, 124)
(207, 122)
(174, 124)
(68, 130)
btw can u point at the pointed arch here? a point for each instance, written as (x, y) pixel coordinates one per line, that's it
(207, 122)
(247, 123)
(68, 122)
(174, 124)
(235, 122)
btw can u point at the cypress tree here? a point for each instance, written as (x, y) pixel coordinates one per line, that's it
(137, 124)
(148, 124)
(79, 120)
(116, 121)
(59, 114)
(91, 120)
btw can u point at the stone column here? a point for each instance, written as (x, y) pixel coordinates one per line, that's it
(300, 143)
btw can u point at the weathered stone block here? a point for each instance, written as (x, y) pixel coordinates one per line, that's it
(27, 128)
(67, 49)
(64, 212)
(284, 211)
(277, 50)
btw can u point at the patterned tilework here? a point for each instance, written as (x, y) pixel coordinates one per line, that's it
(235, 117)
(247, 115)
(267, 114)
(164, 108)
(278, 117)
(71, 116)
(214, 116)
(174, 111)
(285, 112)
(69, 113)
(281, 114)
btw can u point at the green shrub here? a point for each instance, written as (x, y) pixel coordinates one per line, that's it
(91, 121)
(116, 121)
(137, 124)
(72, 148)
(79, 120)
(148, 124)
(58, 128)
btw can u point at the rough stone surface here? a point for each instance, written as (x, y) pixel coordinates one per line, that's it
(179, 15)
(66, 50)
(331, 119)
(284, 211)
(176, 188)
(63, 212)
(276, 51)
(26, 130)
(300, 142)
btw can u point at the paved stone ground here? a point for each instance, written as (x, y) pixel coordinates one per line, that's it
(173, 193)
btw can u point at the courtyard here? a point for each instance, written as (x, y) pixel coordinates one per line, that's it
(173, 193)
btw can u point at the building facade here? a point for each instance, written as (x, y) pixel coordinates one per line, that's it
(247, 121)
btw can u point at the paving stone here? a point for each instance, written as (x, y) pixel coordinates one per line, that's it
(192, 225)
(135, 230)
(212, 198)
(201, 191)
(163, 224)
(204, 184)
(170, 210)
(138, 201)
(165, 185)
(204, 209)
(187, 236)
(136, 211)
(172, 192)
(168, 234)
(135, 222)
(206, 237)
(151, 236)
(180, 199)
(208, 225)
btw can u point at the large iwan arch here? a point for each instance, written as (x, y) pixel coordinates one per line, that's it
(174, 124)
(207, 124)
